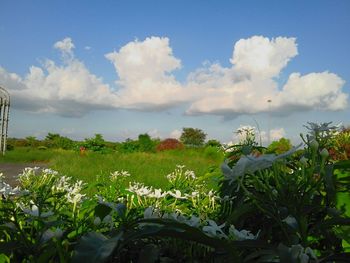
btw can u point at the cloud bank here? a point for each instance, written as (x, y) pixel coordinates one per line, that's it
(145, 81)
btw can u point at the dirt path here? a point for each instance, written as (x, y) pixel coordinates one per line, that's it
(12, 170)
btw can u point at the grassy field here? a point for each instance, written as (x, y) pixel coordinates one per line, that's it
(148, 168)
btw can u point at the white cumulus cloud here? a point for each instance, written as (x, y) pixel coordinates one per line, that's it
(145, 80)
(68, 89)
(252, 80)
(144, 69)
(66, 46)
(175, 134)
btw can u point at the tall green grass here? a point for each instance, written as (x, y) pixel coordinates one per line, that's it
(28, 155)
(148, 168)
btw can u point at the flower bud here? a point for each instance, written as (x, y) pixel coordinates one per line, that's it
(324, 153)
(314, 144)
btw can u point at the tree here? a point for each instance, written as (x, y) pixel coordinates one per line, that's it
(146, 144)
(192, 137)
(96, 144)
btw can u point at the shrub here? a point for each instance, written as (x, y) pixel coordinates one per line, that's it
(96, 144)
(129, 146)
(214, 143)
(169, 144)
(9, 147)
(340, 145)
(54, 140)
(280, 146)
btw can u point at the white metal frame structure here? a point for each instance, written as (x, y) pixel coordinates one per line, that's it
(4, 118)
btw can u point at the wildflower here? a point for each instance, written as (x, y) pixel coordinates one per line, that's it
(6, 190)
(190, 175)
(157, 194)
(242, 234)
(50, 171)
(117, 174)
(180, 166)
(177, 194)
(213, 230)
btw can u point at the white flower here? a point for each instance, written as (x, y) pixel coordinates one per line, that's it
(157, 194)
(190, 174)
(6, 190)
(242, 234)
(74, 198)
(114, 175)
(177, 194)
(214, 230)
(50, 171)
(2, 177)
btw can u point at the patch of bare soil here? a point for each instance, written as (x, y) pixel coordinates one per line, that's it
(12, 170)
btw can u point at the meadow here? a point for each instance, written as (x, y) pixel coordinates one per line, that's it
(150, 168)
(104, 202)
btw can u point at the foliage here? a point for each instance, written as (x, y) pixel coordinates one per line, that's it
(213, 143)
(269, 208)
(292, 203)
(169, 144)
(96, 144)
(32, 141)
(213, 152)
(54, 140)
(280, 146)
(146, 144)
(247, 145)
(340, 145)
(192, 137)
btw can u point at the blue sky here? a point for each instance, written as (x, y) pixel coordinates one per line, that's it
(122, 68)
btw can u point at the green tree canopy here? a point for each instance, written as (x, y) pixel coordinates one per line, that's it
(192, 137)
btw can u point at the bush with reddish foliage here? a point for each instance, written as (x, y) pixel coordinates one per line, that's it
(169, 144)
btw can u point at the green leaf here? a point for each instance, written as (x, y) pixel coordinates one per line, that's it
(101, 210)
(95, 247)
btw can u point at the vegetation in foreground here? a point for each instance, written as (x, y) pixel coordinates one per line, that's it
(286, 207)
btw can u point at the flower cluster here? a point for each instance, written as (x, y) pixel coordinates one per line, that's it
(118, 174)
